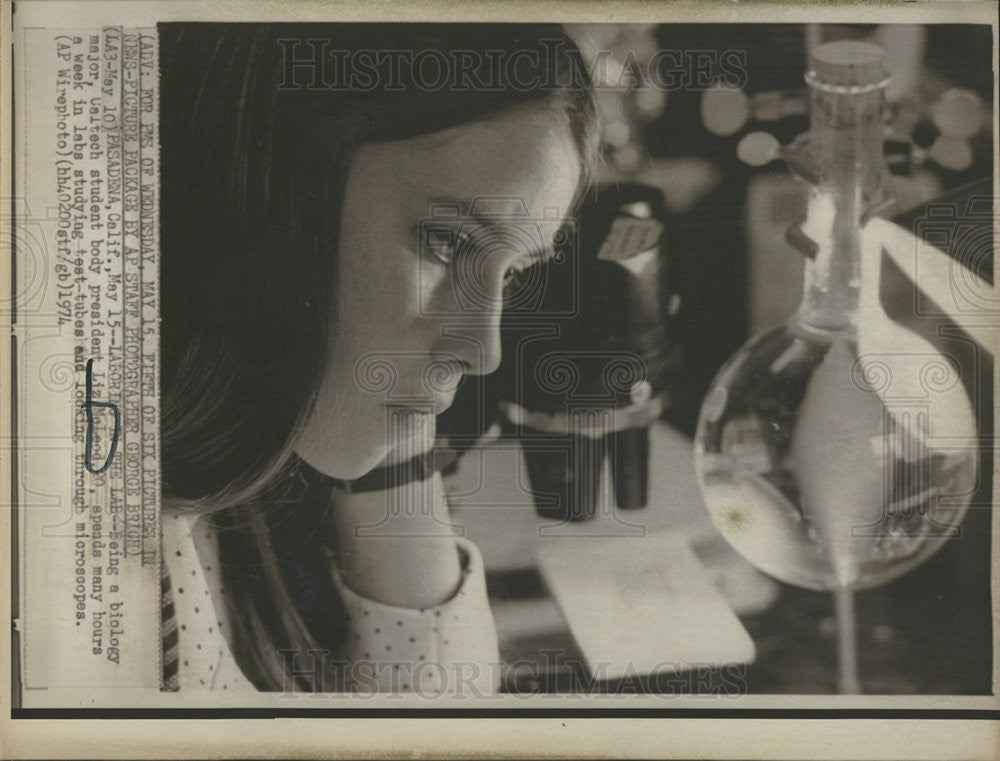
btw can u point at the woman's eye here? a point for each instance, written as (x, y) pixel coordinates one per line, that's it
(446, 245)
(451, 246)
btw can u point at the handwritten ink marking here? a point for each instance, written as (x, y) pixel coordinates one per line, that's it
(89, 407)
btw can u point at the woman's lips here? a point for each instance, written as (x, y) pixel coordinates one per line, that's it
(438, 383)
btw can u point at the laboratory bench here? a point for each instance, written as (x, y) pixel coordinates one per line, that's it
(925, 633)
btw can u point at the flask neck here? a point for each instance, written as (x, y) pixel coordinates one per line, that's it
(845, 141)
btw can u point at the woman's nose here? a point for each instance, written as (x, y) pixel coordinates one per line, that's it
(475, 325)
(476, 342)
(486, 343)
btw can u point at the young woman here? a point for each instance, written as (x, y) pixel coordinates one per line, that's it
(319, 312)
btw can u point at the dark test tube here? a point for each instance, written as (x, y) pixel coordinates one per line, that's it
(565, 482)
(630, 467)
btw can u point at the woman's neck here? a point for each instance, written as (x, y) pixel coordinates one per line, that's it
(397, 545)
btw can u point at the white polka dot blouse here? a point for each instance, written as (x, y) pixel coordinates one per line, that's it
(451, 648)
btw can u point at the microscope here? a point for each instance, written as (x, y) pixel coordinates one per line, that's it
(587, 363)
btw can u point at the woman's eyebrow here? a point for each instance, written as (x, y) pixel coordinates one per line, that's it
(483, 209)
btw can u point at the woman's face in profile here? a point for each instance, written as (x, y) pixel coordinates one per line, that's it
(420, 285)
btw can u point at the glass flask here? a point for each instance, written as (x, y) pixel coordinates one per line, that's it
(838, 451)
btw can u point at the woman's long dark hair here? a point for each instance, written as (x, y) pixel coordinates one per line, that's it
(258, 123)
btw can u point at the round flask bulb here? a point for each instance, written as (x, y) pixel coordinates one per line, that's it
(822, 473)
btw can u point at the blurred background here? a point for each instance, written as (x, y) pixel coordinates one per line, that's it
(731, 274)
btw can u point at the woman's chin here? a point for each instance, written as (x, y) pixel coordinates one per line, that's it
(350, 457)
(411, 440)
